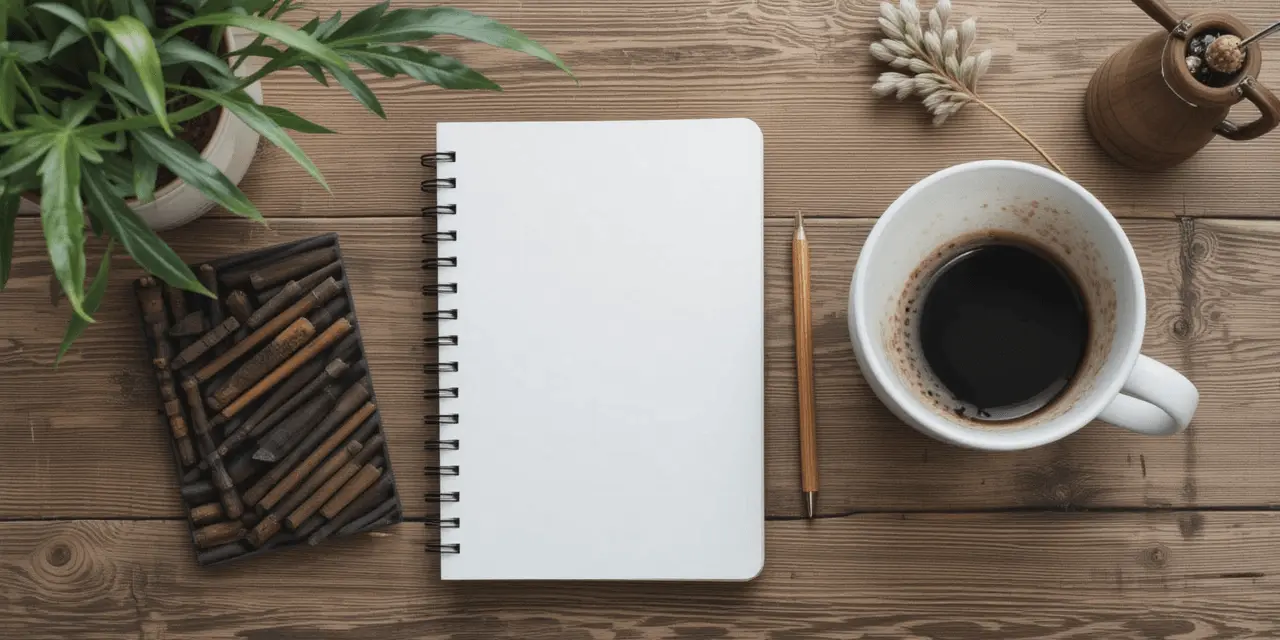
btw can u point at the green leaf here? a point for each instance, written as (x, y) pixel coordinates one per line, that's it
(9, 200)
(132, 37)
(92, 300)
(68, 37)
(68, 14)
(30, 52)
(325, 28)
(242, 106)
(315, 70)
(281, 32)
(404, 25)
(75, 111)
(361, 22)
(291, 120)
(8, 92)
(146, 248)
(187, 164)
(353, 84)
(427, 66)
(181, 50)
(118, 90)
(62, 215)
(144, 13)
(145, 171)
(24, 153)
(260, 50)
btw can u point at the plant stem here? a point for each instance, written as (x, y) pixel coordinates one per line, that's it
(143, 122)
(1022, 134)
(973, 95)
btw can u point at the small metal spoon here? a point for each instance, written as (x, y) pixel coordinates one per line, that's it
(1259, 35)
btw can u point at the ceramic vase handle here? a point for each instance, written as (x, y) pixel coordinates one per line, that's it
(1155, 400)
(1268, 106)
(1160, 12)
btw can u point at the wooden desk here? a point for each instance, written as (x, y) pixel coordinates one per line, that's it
(1105, 534)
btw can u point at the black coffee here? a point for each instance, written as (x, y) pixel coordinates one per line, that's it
(1004, 328)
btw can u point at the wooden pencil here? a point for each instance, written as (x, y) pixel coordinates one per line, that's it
(804, 367)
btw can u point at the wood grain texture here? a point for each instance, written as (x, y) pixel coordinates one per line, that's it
(1211, 293)
(799, 68)
(1147, 576)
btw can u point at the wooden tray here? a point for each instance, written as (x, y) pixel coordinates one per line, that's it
(288, 424)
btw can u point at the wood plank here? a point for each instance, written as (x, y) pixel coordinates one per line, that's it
(801, 70)
(92, 423)
(1127, 576)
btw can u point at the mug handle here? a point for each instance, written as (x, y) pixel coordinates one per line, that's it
(1155, 400)
(1268, 106)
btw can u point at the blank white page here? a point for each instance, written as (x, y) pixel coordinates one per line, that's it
(610, 347)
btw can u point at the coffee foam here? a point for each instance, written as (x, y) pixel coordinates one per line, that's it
(1047, 229)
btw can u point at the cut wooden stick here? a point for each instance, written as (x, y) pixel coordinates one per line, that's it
(387, 508)
(219, 534)
(191, 326)
(370, 499)
(241, 309)
(286, 436)
(278, 406)
(299, 388)
(318, 296)
(303, 503)
(331, 336)
(234, 270)
(151, 304)
(291, 292)
(207, 514)
(282, 468)
(199, 492)
(364, 478)
(291, 268)
(266, 528)
(264, 362)
(327, 315)
(272, 447)
(220, 553)
(314, 458)
(231, 503)
(205, 343)
(371, 447)
(331, 270)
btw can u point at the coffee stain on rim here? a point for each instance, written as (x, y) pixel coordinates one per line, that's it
(1078, 256)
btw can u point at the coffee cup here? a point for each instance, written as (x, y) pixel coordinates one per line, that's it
(963, 205)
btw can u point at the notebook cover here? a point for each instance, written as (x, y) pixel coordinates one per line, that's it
(610, 350)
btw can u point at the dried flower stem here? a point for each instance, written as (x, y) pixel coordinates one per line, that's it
(1021, 134)
(973, 95)
(942, 71)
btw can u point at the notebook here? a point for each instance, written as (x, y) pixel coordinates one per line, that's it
(600, 339)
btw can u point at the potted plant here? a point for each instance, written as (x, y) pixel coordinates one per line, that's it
(119, 117)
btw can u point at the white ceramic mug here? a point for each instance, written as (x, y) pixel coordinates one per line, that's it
(1114, 382)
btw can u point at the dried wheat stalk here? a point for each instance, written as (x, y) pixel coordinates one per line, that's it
(938, 63)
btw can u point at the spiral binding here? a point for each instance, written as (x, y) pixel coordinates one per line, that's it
(440, 341)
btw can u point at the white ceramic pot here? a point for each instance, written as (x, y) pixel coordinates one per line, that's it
(231, 150)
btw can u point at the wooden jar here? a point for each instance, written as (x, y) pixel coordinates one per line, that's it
(1148, 112)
